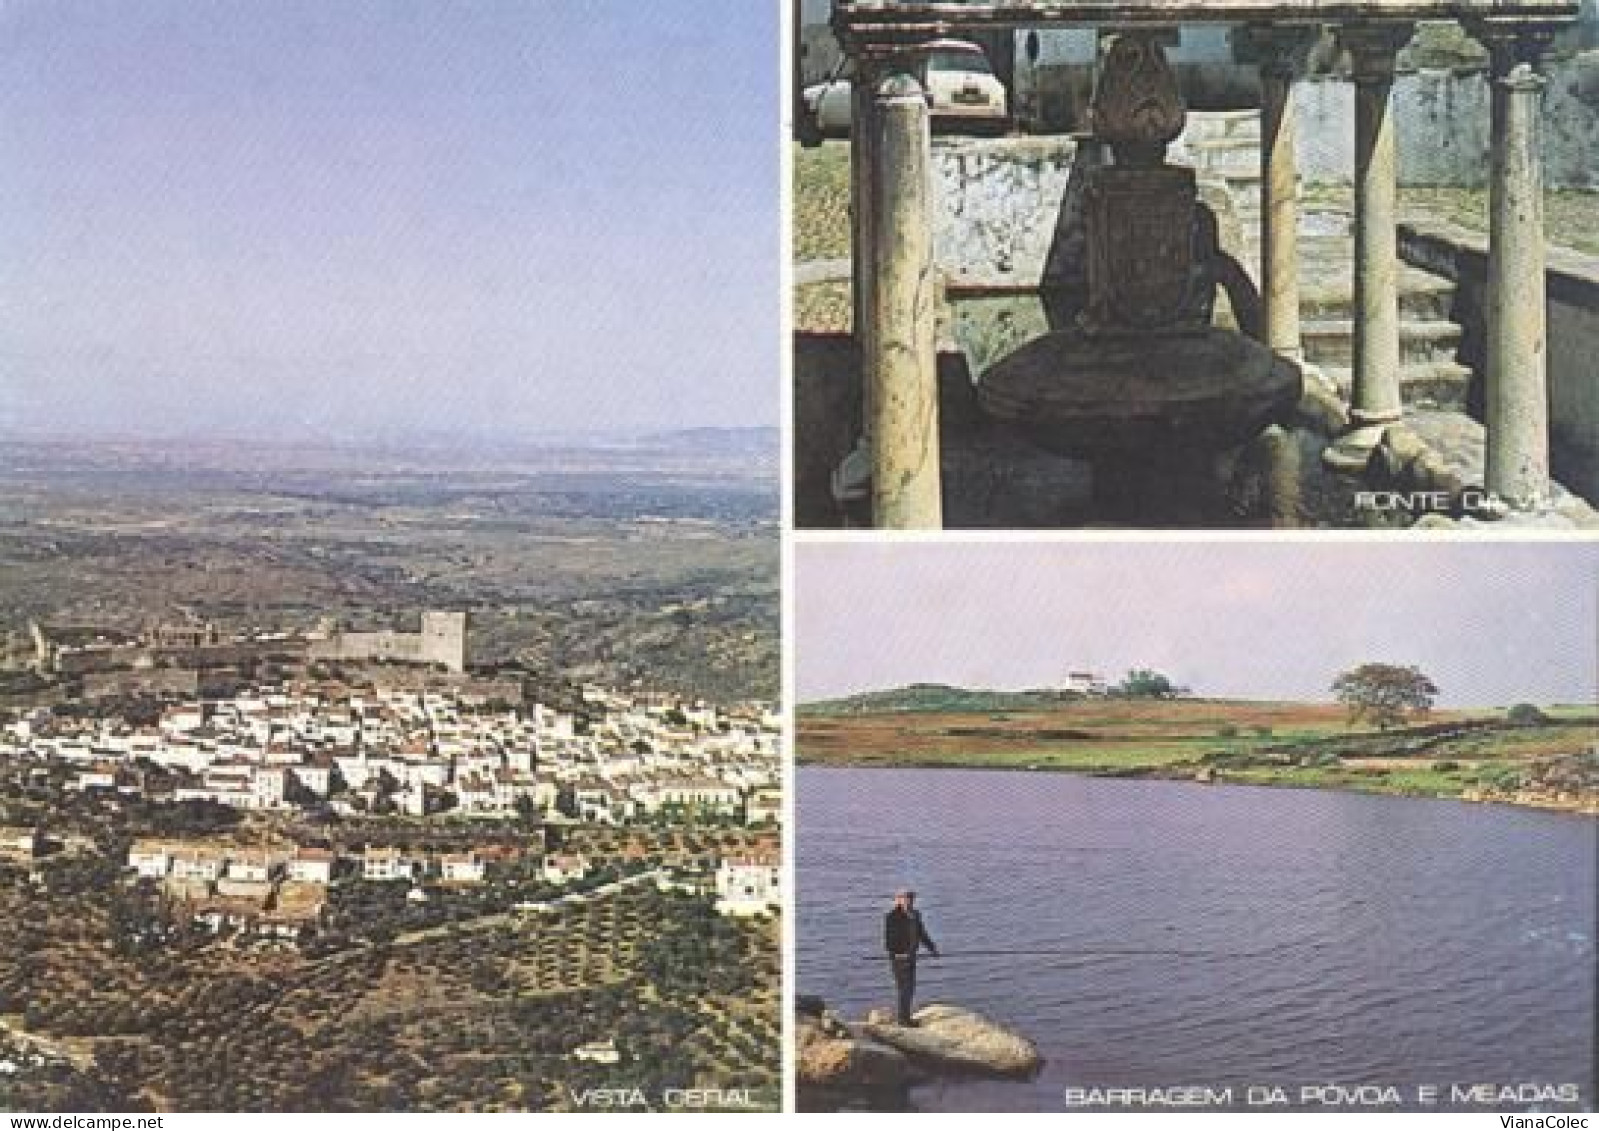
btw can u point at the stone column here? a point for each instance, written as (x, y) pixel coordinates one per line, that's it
(901, 359)
(852, 478)
(1282, 52)
(1517, 357)
(1375, 400)
(862, 156)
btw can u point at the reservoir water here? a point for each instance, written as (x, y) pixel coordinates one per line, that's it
(1365, 947)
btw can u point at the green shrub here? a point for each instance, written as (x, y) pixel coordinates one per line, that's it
(1503, 778)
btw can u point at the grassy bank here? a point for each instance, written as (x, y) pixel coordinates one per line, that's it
(821, 201)
(1475, 755)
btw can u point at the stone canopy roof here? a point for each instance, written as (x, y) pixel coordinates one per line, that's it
(865, 24)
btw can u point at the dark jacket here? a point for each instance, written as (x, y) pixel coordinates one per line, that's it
(903, 933)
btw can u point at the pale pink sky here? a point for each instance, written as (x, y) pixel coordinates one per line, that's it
(365, 219)
(1491, 623)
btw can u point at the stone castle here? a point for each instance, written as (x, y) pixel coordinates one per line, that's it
(442, 641)
(76, 651)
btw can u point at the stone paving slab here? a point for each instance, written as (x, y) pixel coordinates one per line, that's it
(1459, 443)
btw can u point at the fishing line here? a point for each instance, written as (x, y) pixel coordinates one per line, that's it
(1097, 952)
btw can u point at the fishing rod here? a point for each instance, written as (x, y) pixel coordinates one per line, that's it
(1090, 952)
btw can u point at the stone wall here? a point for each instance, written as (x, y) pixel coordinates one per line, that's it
(442, 641)
(148, 681)
(204, 657)
(1440, 100)
(1573, 334)
(1442, 125)
(1441, 116)
(996, 206)
(1006, 214)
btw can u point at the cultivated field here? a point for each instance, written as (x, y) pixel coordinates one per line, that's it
(457, 1018)
(1454, 753)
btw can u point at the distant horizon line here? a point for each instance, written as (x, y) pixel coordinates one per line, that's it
(426, 436)
(1190, 694)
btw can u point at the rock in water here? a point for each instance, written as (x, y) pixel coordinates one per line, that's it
(958, 1038)
(829, 1058)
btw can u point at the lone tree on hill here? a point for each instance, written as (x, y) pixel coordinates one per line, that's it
(1384, 694)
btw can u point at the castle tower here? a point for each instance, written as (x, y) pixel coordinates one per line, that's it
(444, 639)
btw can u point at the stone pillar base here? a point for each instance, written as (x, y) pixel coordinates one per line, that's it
(1172, 489)
(1351, 453)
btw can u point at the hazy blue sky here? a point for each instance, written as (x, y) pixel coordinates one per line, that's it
(310, 217)
(1492, 624)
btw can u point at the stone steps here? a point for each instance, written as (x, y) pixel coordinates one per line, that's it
(1225, 146)
(1429, 385)
(1227, 156)
(1430, 374)
(1210, 125)
(1327, 281)
(1330, 342)
(1423, 296)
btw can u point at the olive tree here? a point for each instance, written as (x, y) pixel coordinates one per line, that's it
(1384, 694)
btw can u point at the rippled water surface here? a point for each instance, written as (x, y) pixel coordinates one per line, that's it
(1330, 938)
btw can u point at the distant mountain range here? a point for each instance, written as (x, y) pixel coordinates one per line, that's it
(755, 441)
(728, 441)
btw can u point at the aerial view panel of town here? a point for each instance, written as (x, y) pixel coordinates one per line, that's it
(252, 857)
(389, 557)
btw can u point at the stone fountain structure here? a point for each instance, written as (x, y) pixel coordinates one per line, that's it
(895, 283)
(1145, 387)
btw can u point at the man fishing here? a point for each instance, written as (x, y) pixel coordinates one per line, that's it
(904, 936)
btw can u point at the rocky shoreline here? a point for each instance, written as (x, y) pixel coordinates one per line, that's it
(1584, 802)
(872, 1064)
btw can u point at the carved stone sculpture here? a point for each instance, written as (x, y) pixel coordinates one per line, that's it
(1144, 386)
(1137, 107)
